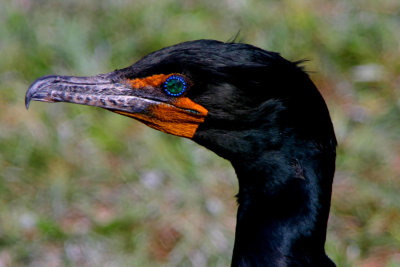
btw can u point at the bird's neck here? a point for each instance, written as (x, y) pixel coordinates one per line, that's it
(283, 212)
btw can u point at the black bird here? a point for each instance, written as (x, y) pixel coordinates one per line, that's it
(250, 106)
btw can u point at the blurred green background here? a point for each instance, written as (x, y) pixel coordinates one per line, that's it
(80, 186)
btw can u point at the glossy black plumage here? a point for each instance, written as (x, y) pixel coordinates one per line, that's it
(268, 119)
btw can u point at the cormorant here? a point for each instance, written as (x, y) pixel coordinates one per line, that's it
(250, 106)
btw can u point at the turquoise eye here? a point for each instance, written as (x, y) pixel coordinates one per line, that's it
(174, 85)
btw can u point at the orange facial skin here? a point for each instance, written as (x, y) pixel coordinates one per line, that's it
(180, 116)
(151, 81)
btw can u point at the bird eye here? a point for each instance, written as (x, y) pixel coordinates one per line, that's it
(174, 85)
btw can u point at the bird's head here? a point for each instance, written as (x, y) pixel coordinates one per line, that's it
(229, 97)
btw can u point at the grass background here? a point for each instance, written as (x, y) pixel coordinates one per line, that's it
(81, 186)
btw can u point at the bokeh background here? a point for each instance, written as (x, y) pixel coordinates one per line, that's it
(80, 186)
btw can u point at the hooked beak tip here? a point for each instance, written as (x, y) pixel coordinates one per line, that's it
(36, 86)
(27, 103)
(28, 96)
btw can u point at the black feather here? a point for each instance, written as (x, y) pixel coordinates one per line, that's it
(267, 117)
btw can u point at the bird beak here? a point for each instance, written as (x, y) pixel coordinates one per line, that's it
(134, 98)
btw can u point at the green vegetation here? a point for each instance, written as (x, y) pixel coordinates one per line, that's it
(81, 186)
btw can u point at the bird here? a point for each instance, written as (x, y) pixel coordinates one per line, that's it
(248, 105)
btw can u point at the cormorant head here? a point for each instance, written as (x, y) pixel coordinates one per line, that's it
(230, 97)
